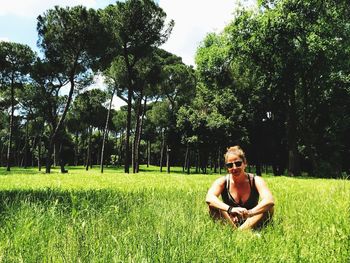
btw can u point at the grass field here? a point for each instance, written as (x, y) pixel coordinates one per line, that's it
(156, 217)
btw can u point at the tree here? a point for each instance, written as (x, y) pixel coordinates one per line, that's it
(89, 111)
(71, 41)
(15, 60)
(216, 114)
(137, 26)
(295, 49)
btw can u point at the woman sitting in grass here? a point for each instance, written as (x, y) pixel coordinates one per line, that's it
(240, 193)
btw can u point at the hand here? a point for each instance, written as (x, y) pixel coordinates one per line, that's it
(235, 219)
(246, 214)
(238, 211)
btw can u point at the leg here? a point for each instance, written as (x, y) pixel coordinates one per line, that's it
(223, 216)
(258, 221)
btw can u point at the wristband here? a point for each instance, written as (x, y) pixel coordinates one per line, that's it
(229, 210)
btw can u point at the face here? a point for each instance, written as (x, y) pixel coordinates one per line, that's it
(235, 165)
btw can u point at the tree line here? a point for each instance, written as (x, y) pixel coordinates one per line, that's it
(275, 81)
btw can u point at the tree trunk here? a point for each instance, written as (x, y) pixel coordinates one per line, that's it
(105, 131)
(60, 158)
(76, 149)
(168, 158)
(2, 154)
(132, 157)
(39, 154)
(148, 152)
(54, 155)
(128, 119)
(25, 150)
(197, 162)
(16, 153)
(185, 161)
(33, 149)
(258, 168)
(9, 153)
(98, 155)
(188, 161)
(57, 128)
(121, 148)
(293, 158)
(48, 156)
(137, 130)
(161, 151)
(139, 133)
(127, 139)
(88, 154)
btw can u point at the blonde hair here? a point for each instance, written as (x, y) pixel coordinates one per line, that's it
(235, 150)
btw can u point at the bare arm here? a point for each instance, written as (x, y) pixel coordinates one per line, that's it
(213, 200)
(267, 200)
(214, 191)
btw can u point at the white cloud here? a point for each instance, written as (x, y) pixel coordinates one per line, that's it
(193, 20)
(33, 8)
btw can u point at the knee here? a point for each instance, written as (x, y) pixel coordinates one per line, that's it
(267, 217)
(214, 212)
(269, 213)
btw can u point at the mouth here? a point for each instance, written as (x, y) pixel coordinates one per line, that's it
(235, 172)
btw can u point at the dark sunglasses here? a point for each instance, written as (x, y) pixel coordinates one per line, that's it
(237, 164)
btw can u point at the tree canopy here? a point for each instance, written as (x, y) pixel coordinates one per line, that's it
(275, 80)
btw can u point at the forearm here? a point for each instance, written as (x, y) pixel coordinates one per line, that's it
(214, 201)
(262, 207)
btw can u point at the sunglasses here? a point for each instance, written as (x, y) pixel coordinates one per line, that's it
(237, 164)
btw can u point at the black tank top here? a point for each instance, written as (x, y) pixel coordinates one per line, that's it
(249, 204)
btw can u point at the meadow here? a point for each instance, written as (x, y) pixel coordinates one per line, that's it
(84, 216)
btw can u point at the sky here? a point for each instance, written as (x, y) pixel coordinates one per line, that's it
(194, 19)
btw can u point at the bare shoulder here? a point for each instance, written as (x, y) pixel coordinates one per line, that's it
(262, 187)
(259, 181)
(258, 178)
(217, 186)
(220, 181)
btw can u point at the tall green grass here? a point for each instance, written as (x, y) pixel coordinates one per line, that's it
(156, 217)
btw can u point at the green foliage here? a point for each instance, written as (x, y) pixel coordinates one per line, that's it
(212, 59)
(88, 108)
(15, 63)
(152, 217)
(276, 81)
(70, 38)
(281, 61)
(137, 26)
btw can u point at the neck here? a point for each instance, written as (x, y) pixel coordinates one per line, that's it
(240, 179)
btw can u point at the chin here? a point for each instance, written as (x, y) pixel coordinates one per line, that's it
(237, 173)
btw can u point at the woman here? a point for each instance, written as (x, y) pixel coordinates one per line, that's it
(240, 193)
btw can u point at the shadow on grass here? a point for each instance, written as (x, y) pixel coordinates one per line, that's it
(69, 201)
(96, 168)
(55, 170)
(144, 169)
(175, 170)
(20, 170)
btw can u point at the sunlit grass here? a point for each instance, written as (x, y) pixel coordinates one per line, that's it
(84, 216)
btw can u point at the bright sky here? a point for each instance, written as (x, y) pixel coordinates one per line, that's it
(193, 20)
